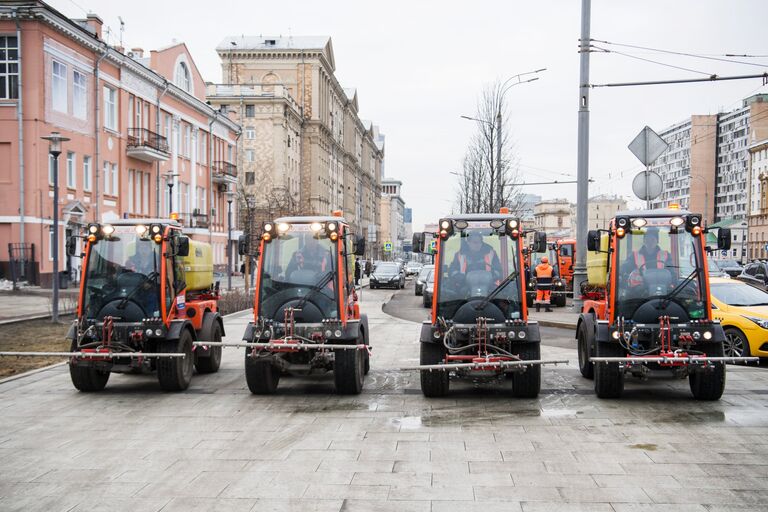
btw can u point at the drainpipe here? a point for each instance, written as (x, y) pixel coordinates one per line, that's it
(210, 175)
(20, 119)
(157, 129)
(96, 111)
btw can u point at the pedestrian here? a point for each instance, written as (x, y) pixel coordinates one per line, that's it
(368, 268)
(357, 271)
(544, 273)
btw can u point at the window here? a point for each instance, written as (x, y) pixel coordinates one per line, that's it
(131, 177)
(9, 68)
(145, 193)
(250, 110)
(79, 95)
(71, 173)
(59, 87)
(86, 173)
(115, 181)
(107, 186)
(187, 140)
(250, 178)
(250, 133)
(182, 76)
(139, 112)
(203, 148)
(229, 152)
(110, 108)
(249, 155)
(50, 169)
(201, 202)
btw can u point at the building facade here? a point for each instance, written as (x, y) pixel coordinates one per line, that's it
(553, 216)
(392, 218)
(136, 123)
(309, 141)
(758, 201)
(602, 209)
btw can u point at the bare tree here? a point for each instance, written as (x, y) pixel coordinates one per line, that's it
(479, 177)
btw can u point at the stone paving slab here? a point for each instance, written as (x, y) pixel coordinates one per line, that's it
(217, 447)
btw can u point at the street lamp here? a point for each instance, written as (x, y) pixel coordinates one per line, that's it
(230, 196)
(54, 149)
(250, 201)
(169, 176)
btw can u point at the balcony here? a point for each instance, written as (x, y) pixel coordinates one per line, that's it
(147, 145)
(224, 172)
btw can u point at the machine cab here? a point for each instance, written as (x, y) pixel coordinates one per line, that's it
(306, 264)
(132, 271)
(659, 267)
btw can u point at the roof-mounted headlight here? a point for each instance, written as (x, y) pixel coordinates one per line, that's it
(639, 222)
(283, 227)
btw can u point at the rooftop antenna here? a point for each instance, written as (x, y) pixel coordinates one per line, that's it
(122, 29)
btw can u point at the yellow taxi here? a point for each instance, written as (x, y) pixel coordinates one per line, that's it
(743, 311)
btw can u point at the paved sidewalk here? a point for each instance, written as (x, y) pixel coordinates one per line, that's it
(217, 447)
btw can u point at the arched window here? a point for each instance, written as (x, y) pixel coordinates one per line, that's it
(182, 76)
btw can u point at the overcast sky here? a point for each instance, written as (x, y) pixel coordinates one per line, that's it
(418, 65)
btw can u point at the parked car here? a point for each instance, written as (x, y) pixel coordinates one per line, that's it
(422, 278)
(743, 313)
(429, 286)
(756, 274)
(413, 268)
(715, 270)
(389, 274)
(730, 267)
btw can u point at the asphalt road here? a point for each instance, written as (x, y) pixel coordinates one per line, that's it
(405, 304)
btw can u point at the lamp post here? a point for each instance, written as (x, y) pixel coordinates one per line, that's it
(250, 201)
(170, 175)
(54, 149)
(230, 195)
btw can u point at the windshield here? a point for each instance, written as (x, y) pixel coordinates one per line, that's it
(739, 294)
(430, 277)
(388, 268)
(472, 263)
(121, 276)
(293, 263)
(656, 263)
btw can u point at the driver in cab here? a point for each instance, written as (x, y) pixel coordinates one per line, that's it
(476, 255)
(649, 256)
(143, 260)
(310, 257)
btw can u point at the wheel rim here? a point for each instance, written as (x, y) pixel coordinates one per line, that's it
(582, 352)
(188, 362)
(734, 345)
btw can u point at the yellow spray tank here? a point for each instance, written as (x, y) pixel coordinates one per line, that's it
(597, 264)
(198, 266)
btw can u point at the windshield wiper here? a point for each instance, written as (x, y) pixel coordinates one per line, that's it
(315, 288)
(668, 297)
(124, 302)
(488, 298)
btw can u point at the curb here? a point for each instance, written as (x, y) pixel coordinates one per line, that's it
(559, 325)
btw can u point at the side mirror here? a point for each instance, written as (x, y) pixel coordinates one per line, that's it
(72, 245)
(724, 239)
(182, 247)
(593, 240)
(418, 243)
(540, 242)
(242, 245)
(360, 246)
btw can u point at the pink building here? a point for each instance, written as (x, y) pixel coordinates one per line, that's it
(140, 131)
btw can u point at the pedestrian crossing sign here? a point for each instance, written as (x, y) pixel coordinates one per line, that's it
(387, 246)
(433, 246)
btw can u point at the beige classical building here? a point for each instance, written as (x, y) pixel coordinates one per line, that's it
(553, 216)
(392, 218)
(309, 151)
(602, 209)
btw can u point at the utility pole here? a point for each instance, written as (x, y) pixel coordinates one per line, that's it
(582, 175)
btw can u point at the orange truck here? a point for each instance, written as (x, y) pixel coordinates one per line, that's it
(306, 316)
(649, 307)
(565, 255)
(146, 297)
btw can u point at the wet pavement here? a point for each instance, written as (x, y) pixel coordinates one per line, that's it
(218, 447)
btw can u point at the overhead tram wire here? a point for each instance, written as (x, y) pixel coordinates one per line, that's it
(605, 50)
(686, 54)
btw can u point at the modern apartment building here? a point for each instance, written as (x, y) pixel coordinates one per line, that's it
(308, 143)
(140, 132)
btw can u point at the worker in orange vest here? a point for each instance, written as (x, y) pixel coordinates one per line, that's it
(544, 273)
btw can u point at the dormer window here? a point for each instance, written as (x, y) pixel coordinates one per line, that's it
(182, 78)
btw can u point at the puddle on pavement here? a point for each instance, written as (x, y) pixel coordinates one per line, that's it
(690, 417)
(332, 407)
(647, 447)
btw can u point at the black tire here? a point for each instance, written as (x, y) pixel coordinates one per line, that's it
(609, 377)
(366, 355)
(211, 362)
(175, 374)
(349, 371)
(529, 300)
(708, 383)
(559, 300)
(86, 378)
(527, 384)
(261, 376)
(736, 343)
(585, 340)
(434, 383)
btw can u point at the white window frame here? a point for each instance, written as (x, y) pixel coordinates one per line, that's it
(50, 169)
(10, 90)
(130, 208)
(86, 173)
(71, 170)
(250, 155)
(115, 180)
(145, 193)
(79, 95)
(110, 108)
(107, 189)
(250, 133)
(59, 92)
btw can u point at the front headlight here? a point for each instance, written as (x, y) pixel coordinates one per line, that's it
(762, 322)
